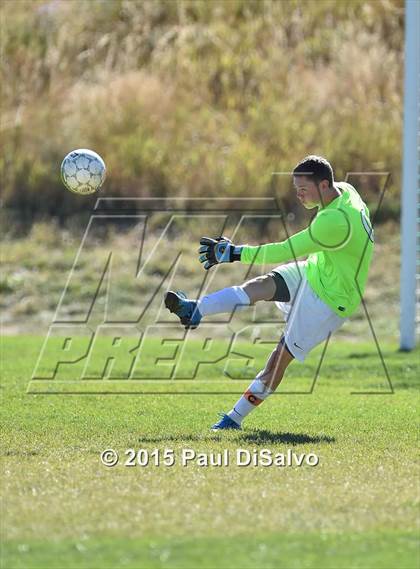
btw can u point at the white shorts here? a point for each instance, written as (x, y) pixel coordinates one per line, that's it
(309, 321)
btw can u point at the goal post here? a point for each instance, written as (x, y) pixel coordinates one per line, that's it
(410, 239)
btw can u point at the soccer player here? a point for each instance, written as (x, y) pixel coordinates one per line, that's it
(316, 295)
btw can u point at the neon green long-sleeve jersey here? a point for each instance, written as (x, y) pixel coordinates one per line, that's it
(339, 247)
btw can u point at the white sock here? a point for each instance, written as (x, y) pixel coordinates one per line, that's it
(256, 393)
(225, 300)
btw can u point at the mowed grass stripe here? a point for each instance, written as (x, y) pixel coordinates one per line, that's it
(277, 551)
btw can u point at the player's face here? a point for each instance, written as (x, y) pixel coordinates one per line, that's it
(307, 191)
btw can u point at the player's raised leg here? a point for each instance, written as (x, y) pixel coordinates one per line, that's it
(262, 387)
(225, 300)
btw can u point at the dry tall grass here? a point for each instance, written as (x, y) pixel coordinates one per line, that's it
(195, 97)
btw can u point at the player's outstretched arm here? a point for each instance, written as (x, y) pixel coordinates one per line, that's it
(328, 231)
(215, 251)
(222, 250)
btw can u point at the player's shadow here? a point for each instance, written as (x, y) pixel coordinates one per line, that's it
(264, 437)
(255, 437)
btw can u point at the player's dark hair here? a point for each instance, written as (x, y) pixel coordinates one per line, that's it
(316, 168)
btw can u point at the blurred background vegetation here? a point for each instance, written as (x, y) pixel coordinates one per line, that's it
(188, 98)
(195, 98)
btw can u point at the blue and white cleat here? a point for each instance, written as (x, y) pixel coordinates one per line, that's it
(225, 424)
(185, 309)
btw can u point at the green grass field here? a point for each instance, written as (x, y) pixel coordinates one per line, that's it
(358, 508)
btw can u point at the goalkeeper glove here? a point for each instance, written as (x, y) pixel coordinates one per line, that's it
(219, 250)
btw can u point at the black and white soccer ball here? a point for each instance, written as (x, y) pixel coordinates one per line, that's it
(83, 171)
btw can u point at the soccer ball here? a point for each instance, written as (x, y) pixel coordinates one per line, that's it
(83, 171)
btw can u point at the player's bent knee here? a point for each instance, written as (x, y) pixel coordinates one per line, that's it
(279, 360)
(276, 365)
(260, 288)
(287, 354)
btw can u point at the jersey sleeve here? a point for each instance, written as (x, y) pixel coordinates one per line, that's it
(329, 230)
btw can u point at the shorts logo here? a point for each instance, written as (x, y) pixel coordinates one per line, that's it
(294, 343)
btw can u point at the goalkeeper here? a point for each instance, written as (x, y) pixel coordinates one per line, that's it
(316, 295)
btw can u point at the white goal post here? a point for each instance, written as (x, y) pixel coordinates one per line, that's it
(410, 214)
